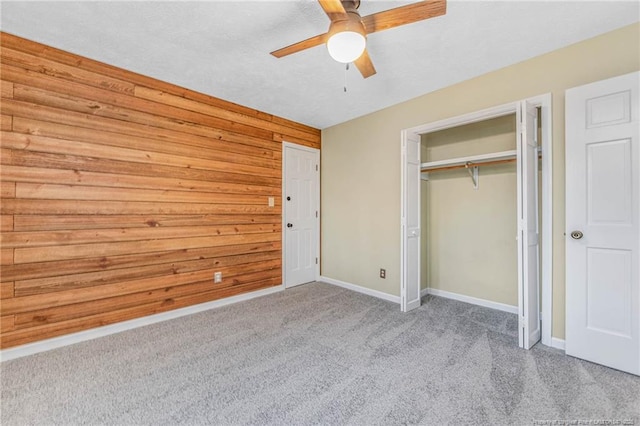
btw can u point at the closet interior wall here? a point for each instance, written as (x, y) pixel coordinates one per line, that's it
(468, 239)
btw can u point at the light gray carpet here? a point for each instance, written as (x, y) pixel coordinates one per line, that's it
(316, 354)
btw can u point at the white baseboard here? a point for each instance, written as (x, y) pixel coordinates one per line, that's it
(557, 343)
(360, 289)
(94, 333)
(473, 300)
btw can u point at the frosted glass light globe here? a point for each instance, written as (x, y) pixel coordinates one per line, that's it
(346, 46)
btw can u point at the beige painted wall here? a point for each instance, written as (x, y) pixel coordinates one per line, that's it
(468, 236)
(361, 158)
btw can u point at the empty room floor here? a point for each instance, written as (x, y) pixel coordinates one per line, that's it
(316, 354)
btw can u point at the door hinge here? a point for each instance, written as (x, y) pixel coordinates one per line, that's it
(522, 225)
(316, 167)
(316, 213)
(316, 260)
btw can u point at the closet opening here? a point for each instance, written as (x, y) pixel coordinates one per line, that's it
(468, 213)
(480, 230)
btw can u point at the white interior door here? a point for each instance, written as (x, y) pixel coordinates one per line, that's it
(410, 209)
(301, 215)
(528, 245)
(602, 215)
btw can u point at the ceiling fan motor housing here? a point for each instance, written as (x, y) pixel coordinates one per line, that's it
(350, 5)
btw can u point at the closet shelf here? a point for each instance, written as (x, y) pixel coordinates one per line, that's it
(471, 161)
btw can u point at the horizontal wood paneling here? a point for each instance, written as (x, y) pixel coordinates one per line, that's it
(122, 195)
(6, 223)
(79, 251)
(31, 334)
(251, 262)
(6, 121)
(90, 121)
(15, 305)
(6, 256)
(59, 56)
(6, 89)
(64, 176)
(79, 192)
(26, 271)
(93, 236)
(7, 323)
(53, 222)
(229, 152)
(6, 290)
(34, 206)
(22, 142)
(56, 69)
(53, 315)
(25, 158)
(7, 189)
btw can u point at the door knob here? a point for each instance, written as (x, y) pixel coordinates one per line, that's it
(576, 235)
(288, 198)
(289, 225)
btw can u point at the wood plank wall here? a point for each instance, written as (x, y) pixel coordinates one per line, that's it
(121, 195)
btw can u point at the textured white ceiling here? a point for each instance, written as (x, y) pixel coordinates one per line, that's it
(221, 48)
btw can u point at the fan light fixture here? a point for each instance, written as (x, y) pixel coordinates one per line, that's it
(347, 39)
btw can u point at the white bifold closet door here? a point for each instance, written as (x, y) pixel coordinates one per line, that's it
(410, 248)
(528, 240)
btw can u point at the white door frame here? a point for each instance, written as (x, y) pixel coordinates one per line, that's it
(316, 151)
(544, 103)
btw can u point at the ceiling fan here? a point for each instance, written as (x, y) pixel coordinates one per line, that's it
(346, 38)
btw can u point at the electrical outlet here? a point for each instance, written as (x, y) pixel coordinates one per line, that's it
(272, 202)
(383, 273)
(217, 277)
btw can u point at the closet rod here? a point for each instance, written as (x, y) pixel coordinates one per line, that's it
(468, 164)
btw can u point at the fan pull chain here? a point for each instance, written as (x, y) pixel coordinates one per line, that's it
(345, 77)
